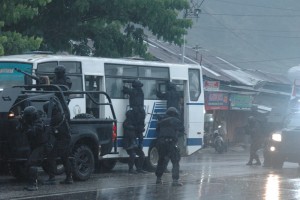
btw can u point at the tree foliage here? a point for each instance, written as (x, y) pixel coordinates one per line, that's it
(108, 28)
(13, 12)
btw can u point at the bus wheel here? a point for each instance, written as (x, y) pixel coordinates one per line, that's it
(83, 163)
(18, 170)
(107, 165)
(152, 159)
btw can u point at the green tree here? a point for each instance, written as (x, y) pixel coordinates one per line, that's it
(108, 28)
(13, 12)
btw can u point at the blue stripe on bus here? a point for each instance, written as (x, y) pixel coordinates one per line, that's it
(194, 141)
(195, 104)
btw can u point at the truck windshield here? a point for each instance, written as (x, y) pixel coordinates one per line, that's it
(10, 77)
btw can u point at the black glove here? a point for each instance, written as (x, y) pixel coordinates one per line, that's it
(140, 146)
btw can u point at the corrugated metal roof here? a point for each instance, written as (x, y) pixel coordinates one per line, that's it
(214, 67)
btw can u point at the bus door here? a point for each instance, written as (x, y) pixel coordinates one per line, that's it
(194, 111)
(181, 88)
(94, 83)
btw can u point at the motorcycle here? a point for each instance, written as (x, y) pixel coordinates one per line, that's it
(218, 141)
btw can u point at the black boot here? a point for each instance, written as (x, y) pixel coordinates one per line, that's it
(258, 163)
(32, 186)
(176, 183)
(51, 181)
(68, 180)
(159, 181)
(33, 174)
(131, 171)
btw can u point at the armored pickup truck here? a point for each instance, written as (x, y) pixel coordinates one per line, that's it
(283, 145)
(92, 137)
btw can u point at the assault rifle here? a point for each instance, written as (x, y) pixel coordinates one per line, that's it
(39, 80)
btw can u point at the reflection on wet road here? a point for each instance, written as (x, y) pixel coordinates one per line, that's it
(206, 175)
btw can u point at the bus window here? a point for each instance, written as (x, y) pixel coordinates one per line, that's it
(114, 87)
(157, 72)
(73, 71)
(149, 89)
(71, 67)
(194, 84)
(120, 70)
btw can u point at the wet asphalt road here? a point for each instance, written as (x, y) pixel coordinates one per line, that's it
(205, 174)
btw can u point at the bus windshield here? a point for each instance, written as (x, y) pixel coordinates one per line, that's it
(10, 77)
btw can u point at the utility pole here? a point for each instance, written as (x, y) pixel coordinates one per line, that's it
(193, 12)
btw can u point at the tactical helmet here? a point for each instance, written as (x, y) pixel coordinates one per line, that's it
(171, 86)
(137, 83)
(60, 70)
(30, 114)
(172, 111)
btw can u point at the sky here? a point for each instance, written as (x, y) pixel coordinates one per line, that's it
(256, 34)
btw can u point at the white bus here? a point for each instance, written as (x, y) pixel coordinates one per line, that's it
(110, 75)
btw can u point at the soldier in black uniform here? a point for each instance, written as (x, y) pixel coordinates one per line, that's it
(61, 78)
(171, 95)
(34, 128)
(169, 129)
(61, 130)
(136, 102)
(254, 129)
(131, 144)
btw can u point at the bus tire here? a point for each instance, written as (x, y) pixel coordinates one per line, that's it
(107, 165)
(152, 159)
(83, 163)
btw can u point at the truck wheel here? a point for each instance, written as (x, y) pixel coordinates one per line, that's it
(152, 159)
(107, 165)
(59, 168)
(18, 170)
(83, 163)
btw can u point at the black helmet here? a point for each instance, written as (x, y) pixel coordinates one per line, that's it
(172, 111)
(171, 86)
(60, 70)
(137, 83)
(30, 114)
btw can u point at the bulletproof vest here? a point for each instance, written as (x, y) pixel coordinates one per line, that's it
(37, 135)
(59, 124)
(63, 81)
(168, 127)
(172, 98)
(136, 98)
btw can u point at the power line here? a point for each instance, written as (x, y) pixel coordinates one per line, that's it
(252, 30)
(258, 6)
(241, 38)
(247, 15)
